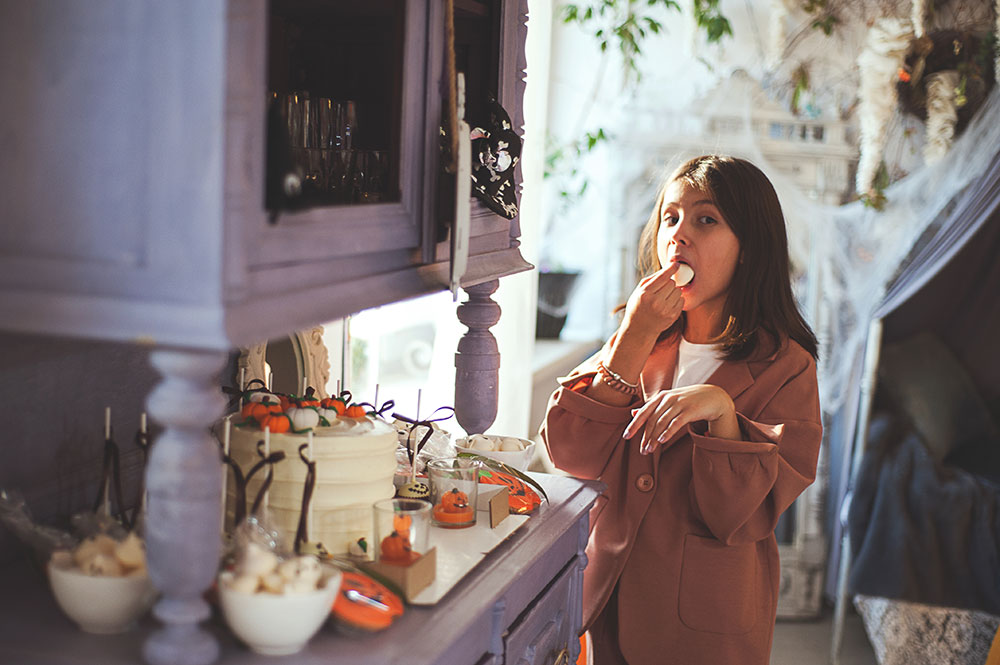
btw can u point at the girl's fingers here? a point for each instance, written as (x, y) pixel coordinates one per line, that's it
(662, 278)
(639, 416)
(675, 426)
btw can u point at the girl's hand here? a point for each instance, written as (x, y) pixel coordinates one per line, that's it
(654, 304)
(668, 411)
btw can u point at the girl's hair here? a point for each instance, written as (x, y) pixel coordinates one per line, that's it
(760, 306)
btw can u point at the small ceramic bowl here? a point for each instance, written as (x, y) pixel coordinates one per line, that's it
(519, 459)
(102, 605)
(277, 625)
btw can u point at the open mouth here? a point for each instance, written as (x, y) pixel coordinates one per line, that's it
(684, 275)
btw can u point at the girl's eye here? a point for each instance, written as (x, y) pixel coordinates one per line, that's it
(707, 220)
(669, 220)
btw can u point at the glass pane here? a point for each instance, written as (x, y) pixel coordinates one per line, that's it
(335, 72)
(405, 347)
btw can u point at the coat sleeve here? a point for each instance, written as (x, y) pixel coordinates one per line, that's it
(740, 488)
(580, 432)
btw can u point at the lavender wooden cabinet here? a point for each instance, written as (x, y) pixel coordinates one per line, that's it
(522, 604)
(134, 172)
(134, 181)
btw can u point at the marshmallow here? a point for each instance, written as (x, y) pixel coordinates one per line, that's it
(684, 274)
(258, 561)
(509, 443)
(301, 569)
(481, 442)
(244, 583)
(104, 565)
(273, 583)
(130, 552)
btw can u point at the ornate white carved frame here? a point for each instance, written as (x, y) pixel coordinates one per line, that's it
(311, 355)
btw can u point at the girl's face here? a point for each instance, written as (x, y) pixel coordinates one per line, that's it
(693, 231)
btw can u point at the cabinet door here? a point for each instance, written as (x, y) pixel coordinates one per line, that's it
(331, 130)
(544, 633)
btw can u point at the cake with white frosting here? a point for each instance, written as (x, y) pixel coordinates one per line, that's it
(355, 461)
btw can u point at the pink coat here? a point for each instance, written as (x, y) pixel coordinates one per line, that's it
(687, 533)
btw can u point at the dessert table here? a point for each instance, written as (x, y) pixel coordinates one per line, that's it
(520, 604)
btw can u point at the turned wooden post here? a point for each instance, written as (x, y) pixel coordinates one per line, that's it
(477, 363)
(182, 523)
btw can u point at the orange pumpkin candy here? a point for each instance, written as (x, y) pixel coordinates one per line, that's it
(396, 548)
(335, 404)
(259, 410)
(278, 423)
(454, 501)
(355, 411)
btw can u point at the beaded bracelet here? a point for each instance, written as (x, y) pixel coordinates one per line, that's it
(615, 381)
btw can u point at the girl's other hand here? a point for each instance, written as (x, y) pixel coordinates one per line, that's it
(666, 412)
(654, 304)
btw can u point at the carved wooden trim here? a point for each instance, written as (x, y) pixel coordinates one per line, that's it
(312, 359)
(477, 363)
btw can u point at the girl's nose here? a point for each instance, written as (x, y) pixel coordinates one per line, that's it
(680, 235)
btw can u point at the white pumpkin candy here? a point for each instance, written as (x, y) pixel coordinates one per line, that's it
(303, 417)
(264, 397)
(329, 414)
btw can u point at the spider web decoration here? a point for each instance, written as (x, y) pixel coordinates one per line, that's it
(495, 152)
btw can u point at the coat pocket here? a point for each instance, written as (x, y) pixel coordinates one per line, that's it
(719, 586)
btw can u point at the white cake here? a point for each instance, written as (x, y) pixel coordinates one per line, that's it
(355, 463)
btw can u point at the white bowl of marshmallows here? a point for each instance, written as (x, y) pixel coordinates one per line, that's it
(510, 450)
(102, 585)
(274, 605)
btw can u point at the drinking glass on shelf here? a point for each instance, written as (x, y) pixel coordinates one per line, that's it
(401, 530)
(338, 174)
(349, 127)
(369, 175)
(454, 491)
(315, 171)
(310, 121)
(331, 123)
(293, 116)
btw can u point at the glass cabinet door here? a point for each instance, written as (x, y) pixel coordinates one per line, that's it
(335, 82)
(350, 152)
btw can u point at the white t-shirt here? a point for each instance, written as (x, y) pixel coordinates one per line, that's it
(695, 363)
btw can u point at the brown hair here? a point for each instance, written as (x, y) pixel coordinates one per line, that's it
(760, 306)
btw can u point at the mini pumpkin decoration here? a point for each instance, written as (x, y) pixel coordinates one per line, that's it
(303, 418)
(262, 396)
(326, 416)
(309, 399)
(334, 403)
(355, 411)
(396, 548)
(278, 423)
(454, 501)
(260, 410)
(401, 524)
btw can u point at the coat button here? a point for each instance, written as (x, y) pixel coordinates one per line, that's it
(644, 482)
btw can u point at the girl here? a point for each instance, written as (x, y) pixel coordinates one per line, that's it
(701, 415)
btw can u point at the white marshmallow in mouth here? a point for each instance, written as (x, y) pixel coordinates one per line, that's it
(684, 274)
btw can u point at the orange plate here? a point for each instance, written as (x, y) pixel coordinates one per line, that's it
(378, 614)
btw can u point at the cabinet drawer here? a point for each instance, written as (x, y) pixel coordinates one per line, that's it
(538, 637)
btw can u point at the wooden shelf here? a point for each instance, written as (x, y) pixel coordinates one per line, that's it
(466, 624)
